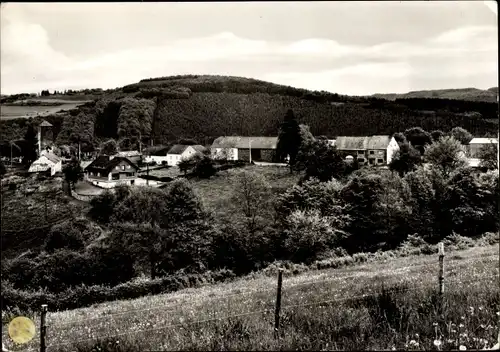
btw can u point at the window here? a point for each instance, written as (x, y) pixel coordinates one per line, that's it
(128, 166)
(361, 160)
(115, 176)
(372, 152)
(361, 152)
(380, 161)
(123, 167)
(372, 161)
(117, 167)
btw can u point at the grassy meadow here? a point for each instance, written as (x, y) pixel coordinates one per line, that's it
(389, 304)
(217, 191)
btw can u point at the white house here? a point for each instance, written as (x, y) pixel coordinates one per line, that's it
(179, 152)
(156, 154)
(476, 144)
(47, 162)
(372, 150)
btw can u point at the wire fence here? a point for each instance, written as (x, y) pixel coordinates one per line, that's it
(239, 315)
(290, 285)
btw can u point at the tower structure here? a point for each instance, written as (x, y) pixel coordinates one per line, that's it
(44, 125)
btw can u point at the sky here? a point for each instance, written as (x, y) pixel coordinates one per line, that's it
(354, 47)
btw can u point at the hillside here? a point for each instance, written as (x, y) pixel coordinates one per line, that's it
(206, 107)
(320, 310)
(472, 94)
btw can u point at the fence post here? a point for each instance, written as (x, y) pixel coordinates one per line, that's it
(441, 268)
(278, 303)
(43, 328)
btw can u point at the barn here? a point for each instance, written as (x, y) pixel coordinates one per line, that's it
(245, 148)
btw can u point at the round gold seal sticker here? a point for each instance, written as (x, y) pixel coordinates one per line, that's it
(21, 330)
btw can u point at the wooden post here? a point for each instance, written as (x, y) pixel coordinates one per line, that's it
(278, 303)
(43, 328)
(441, 267)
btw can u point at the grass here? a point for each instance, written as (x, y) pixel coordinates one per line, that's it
(401, 311)
(217, 191)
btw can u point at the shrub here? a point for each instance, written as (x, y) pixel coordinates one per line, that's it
(306, 235)
(64, 235)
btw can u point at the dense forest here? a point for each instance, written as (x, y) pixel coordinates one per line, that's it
(205, 107)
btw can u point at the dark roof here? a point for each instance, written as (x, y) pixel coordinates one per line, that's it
(45, 124)
(199, 148)
(103, 162)
(243, 142)
(156, 150)
(362, 143)
(177, 149)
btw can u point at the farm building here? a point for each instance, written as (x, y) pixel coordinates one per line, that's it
(181, 151)
(242, 148)
(47, 163)
(132, 155)
(371, 150)
(156, 154)
(476, 144)
(110, 171)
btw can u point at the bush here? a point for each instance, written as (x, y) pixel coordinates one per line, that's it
(84, 296)
(64, 235)
(306, 235)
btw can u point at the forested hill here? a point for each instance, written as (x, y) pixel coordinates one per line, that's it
(205, 107)
(471, 94)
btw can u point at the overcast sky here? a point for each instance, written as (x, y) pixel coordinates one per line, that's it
(344, 47)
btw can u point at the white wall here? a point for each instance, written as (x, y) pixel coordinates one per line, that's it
(391, 149)
(156, 158)
(174, 159)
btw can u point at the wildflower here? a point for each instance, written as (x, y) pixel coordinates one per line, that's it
(437, 343)
(462, 317)
(416, 335)
(413, 343)
(434, 324)
(462, 348)
(393, 348)
(461, 326)
(480, 308)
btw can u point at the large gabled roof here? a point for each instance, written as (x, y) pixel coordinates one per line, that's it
(362, 143)
(484, 141)
(45, 124)
(104, 163)
(180, 148)
(244, 142)
(52, 157)
(156, 150)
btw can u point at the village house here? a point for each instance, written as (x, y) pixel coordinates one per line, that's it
(133, 155)
(180, 151)
(475, 145)
(369, 150)
(156, 154)
(110, 171)
(48, 163)
(245, 148)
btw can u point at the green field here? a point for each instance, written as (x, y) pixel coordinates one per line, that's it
(13, 112)
(405, 317)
